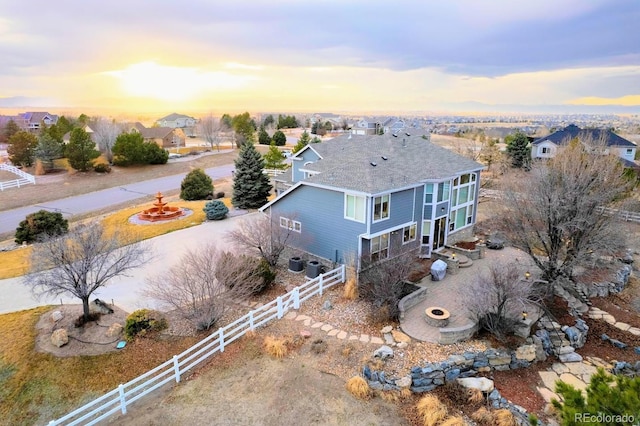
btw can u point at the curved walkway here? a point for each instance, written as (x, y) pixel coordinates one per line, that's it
(447, 294)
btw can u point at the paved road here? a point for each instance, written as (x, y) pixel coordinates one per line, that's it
(98, 200)
(126, 292)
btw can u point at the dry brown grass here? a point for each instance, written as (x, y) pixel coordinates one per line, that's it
(475, 396)
(482, 416)
(350, 290)
(431, 410)
(358, 387)
(503, 417)
(14, 263)
(347, 350)
(275, 347)
(453, 421)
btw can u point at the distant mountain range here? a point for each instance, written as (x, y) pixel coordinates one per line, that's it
(26, 101)
(542, 109)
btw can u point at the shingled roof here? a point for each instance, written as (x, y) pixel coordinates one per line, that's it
(173, 116)
(562, 137)
(377, 163)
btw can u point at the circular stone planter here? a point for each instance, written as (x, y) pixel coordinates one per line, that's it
(436, 316)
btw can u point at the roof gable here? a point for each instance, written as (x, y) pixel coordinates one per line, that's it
(562, 137)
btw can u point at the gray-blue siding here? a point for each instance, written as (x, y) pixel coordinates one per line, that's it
(324, 229)
(401, 210)
(308, 155)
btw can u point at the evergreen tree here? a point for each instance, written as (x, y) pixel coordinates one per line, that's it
(279, 138)
(273, 159)
(10, 129)
(41, 224)
(196, 185)
(81, 150)
(215, 210)
(302, 142)
(47, 150)
(519, 151)
(244, 127)
(263, 137)
(21, 148)
(251, 186)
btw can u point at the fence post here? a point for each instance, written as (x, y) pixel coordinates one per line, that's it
(176, 368)
(251, 320)
(320, 282)
(123, 402)
(296, 298)
(342, 273)
(221, 339)
(280, 309)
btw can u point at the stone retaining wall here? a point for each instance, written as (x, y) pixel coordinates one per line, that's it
(411, 300)
(452, 335)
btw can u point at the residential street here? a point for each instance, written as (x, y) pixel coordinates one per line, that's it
(126, 292)
(94, 201)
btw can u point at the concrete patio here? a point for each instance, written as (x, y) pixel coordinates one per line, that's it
(446, 294)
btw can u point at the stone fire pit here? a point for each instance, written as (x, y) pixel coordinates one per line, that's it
(436, 316)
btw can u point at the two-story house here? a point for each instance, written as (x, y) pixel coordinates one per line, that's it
(177, 121)
(164, 137)
(376, 197)
(548, 146)
(34, 120)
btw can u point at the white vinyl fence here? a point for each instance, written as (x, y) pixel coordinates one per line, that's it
(627, 216)
(119, 398)
(24, 178)
(273, 172)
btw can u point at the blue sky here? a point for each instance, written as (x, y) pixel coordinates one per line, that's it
(325, 55)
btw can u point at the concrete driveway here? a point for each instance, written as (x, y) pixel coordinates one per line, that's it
(126, 292)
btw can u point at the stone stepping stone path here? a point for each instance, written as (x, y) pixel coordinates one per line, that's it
(577, 374)
(331, 331)
(599, 314)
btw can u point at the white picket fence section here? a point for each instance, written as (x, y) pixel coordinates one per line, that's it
(25, 178)
(125, 394)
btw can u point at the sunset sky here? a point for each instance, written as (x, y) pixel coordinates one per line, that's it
(322, 56)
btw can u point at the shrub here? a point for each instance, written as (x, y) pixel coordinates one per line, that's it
(215, 210)
(102, 168)
(142, 321)
(277, 348)
(219, 195)
(350, 290)
(196, 186)
(41, 224)
(358, 387)
(431, 410)
(482, 416)
(319, 346)
(503, 417)
(268, 275)
(454, 421)
(154, 154)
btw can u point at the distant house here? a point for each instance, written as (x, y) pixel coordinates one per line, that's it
(365, 127)
(375, 197)
(393, 125)
(176, 121)
(165, 137)
(548, 146)
(67, 136)
(33, 121)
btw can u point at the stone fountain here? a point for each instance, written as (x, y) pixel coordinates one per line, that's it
(160, 211)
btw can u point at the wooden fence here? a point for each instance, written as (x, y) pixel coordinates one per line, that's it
(24, 178)
(172, 370)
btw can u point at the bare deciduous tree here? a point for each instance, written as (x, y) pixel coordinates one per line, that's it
(210, 128)
(497, 299)
(81, 262)
(204, 285)
(263, 236)
(382, 283)
(105, 133)
(556, 215)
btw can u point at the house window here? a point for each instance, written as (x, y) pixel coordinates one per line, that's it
(443, 191)
(292, 225)
(428, 193)
(380, 247)
(546, 150)
(381, 207)
(354, 207)
(426, 231)
(629, 151)
(409, 233)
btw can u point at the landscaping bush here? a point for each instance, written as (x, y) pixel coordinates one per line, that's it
(219, 195)
(154, 154)
(277, 348)
(197, 185)
(102, 168)
(358, 387)
(39, 225)
(140, 322)
(215, 210)
(268, 275)
(431, 410)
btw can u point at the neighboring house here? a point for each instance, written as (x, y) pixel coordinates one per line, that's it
(67, 136)
(165, 137)
(547, 147)
(364, 127)
(33, 121)
(176, 121)
(393, 125)
(376, 197)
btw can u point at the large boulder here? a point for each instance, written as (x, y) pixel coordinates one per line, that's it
(114, 330)
(400, 337)
(98, 306)
(59, 337)
(526, 352)
(383, 352)
(56, 316)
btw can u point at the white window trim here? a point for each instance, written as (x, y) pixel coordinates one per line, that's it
(373, 212)
(364, 208)
(415, 233)
(291, 225)
(380, 249)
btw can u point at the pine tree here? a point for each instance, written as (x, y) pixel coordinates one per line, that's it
(302, 142)
(519, 151)
(273, 159)
(263, 137)
(251, 186)
(196, 185)
(47, 150)
(81, 150)
(21, 148)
